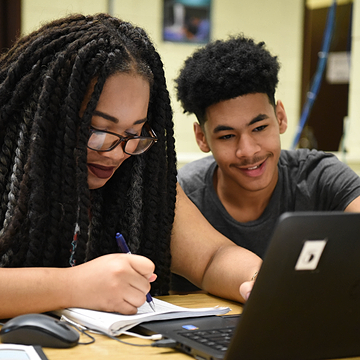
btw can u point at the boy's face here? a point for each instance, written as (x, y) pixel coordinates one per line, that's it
(244, 136)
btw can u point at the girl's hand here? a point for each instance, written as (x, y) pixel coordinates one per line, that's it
(114, 282)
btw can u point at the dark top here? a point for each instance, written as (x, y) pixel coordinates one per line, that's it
(308, 181)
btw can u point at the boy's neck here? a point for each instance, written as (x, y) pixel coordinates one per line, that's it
(241, 204)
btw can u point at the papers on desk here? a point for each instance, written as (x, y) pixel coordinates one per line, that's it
(115, 323)
(21, 352)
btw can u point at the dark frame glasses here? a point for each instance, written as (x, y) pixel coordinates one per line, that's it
(103, 140)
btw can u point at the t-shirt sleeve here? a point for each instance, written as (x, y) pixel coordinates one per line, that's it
(331, 183)
(191, 176)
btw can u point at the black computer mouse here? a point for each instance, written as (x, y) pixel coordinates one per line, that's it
(39, 329)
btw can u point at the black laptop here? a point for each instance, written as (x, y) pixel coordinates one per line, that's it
(305, 303)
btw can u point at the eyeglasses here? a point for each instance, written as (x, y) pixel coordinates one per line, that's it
(102, 140)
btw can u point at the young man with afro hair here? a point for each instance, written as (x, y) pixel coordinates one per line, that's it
(248, 181)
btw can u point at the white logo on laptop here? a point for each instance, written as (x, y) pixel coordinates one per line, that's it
(310, 254)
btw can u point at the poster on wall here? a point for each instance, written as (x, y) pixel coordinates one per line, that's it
(187, 21)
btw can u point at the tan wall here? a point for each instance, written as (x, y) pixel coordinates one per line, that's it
(324, 3)
(35, 12)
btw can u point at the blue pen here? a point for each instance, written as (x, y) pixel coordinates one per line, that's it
(124, 248)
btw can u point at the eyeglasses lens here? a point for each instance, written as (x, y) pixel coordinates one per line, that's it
(137, 146)
(102, 141)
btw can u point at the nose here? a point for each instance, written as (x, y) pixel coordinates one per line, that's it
(247, 146)
(116, 154)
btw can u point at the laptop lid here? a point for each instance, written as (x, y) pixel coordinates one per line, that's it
(305, 303)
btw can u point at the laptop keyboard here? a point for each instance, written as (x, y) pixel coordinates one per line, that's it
(218, 339)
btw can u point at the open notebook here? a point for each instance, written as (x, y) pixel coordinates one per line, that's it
(115, 323)
(305, 303)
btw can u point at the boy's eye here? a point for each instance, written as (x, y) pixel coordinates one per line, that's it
(260, 128)
(225, 137)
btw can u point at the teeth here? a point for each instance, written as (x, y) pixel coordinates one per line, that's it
(253, 168)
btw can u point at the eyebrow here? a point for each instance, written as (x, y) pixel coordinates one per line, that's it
(114, 119)
(256, 119)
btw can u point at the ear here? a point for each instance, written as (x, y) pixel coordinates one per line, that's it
(200, 138)
(281, 116)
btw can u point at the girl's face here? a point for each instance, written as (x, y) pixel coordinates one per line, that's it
(122, 109)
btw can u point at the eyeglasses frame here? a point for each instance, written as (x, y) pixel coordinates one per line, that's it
(124, 140)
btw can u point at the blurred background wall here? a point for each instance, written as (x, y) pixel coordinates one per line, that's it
(292, 30)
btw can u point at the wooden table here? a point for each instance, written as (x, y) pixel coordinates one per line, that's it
(106, 348)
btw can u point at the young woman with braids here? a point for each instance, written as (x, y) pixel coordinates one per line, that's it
(87, 150)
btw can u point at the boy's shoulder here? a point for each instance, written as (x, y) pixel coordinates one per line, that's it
(300, 156)
(197, 167)
(194, 174)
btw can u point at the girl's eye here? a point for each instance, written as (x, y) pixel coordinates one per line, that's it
(130, 134)
(135, 132)
(99, 128)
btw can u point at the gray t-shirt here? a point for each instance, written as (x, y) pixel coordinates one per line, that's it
(308, 181)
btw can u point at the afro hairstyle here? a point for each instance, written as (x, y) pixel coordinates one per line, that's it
(223, 70)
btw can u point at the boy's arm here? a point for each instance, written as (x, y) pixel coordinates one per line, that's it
(354, 206)
(207, 258)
